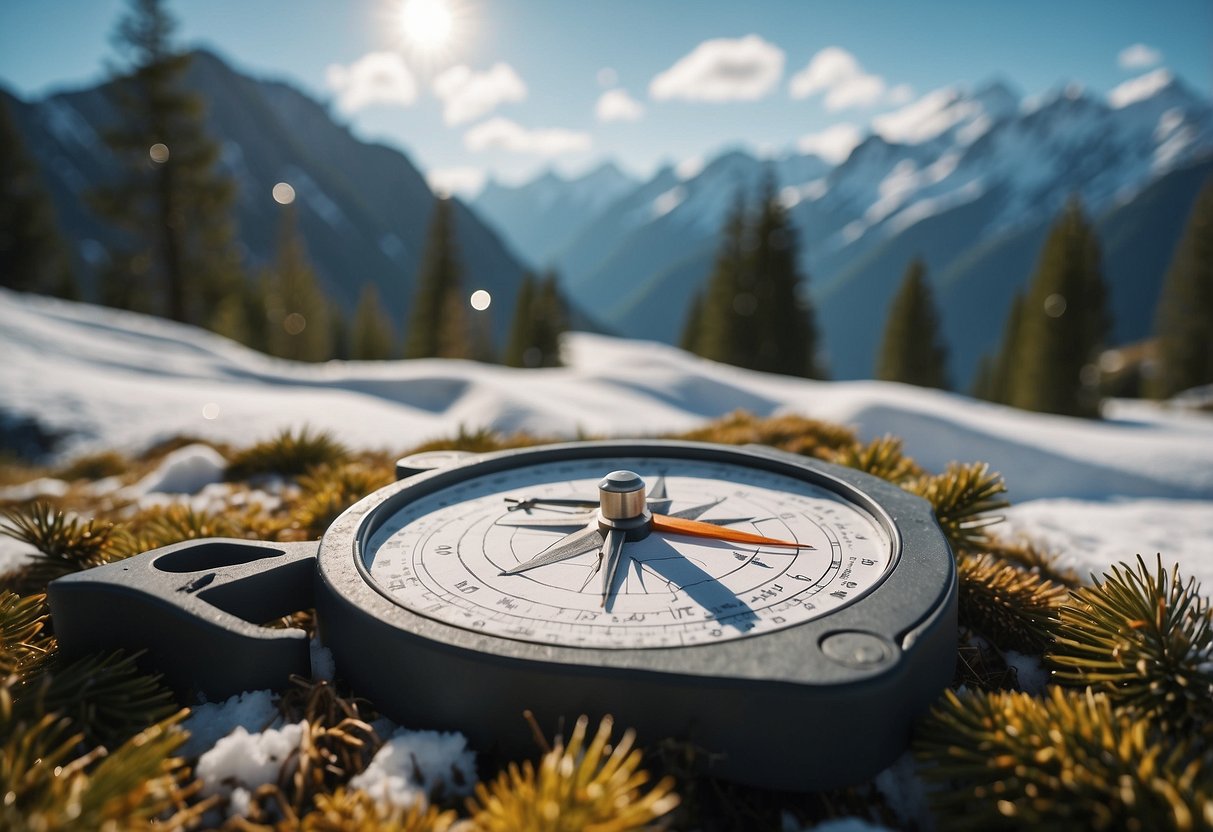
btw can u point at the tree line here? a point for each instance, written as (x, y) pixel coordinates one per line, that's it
(753, 311)
(176, 252)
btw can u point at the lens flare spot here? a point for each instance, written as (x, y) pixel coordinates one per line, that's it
(158, 153)
(284, 194)
(480, 300)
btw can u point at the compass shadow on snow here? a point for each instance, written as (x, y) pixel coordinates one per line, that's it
(700, 586)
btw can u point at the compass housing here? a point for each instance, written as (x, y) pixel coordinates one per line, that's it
(824, 703)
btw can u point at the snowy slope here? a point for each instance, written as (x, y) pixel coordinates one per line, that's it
(1142, 482)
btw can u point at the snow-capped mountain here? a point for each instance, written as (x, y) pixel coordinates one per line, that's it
(538, 218)
(362, 208)
(947, 178)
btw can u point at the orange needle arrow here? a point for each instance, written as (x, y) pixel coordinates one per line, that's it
(696, 528)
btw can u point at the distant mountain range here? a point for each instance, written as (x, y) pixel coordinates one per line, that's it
(969, 181)
(363, 209)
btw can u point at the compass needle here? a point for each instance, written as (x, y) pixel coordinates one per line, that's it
(569, 546)
(698, 528)
(612, 554)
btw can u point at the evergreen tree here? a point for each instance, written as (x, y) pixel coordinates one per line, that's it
(784, 336)
(438, 320)
(1184, 319)
(993, 381)
(299, 322)
(724, 303)
(754, 312)
(33, 256)
(371, 338)
(692, 329)
(1063, 323)
(540, 318)
(911, 350)
(522, 326)
(172, 206)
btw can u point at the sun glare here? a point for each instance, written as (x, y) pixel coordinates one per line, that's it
(427, 24)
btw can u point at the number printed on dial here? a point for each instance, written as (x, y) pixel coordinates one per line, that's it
(445, 555)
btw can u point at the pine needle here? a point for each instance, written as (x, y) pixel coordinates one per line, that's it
(24, 642)
(1145, 638)
(62, 544)
(963, 497)
(1013, 608)
(1068, 761)
(289, 454)
(883, 457)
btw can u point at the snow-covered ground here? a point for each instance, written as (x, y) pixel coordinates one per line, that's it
(1138, 482)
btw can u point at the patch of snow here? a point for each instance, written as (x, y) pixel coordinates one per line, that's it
(1140, 88)
(905, 793)
(41, 487)
(244, 760)
(209, 722)
(668, 201)
(186, 470)
(13, 553)
(415, 766)
(323, 666)
(1029, 670)
(1090, 536)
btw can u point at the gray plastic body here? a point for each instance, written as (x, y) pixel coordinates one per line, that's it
(826, 703)
(822, 704)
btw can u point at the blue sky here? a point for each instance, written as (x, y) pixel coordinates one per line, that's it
(518, 86)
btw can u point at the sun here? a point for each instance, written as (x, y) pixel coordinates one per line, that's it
(427, 25)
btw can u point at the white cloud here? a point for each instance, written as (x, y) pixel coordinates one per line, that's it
(617, 105)
(1139, 88)
(723, 69)
(375, 78)
(1138, 56)
(465, 181)
(508, 135)
(468, 95)
(835, 72)
(833, 144)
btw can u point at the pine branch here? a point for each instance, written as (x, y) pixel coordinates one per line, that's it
(574, 787)
(329, 490)
(62, 544)
(962, 496)
(106, 696)
(1015, 609)
(883, 457)
(288, 454)
(1031, 556)
(348, 810)
(1146, 640)
(1068, 761)
(24, 644)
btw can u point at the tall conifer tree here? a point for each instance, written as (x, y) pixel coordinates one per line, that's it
(692, 328)
(718, 339)
(171, 204)
(521, 327)
(33, 255)
(299, 319)
(912, 350)
(540, 318)
(1184, 320)
(438, 319)
(371, 337)
(1064, 321)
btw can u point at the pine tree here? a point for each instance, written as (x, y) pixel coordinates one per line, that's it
(754, 312)
(371, 337)
(33, 255)
(783, 332)
(692, 329)
(993, 381)
(911, 350)
(1184, 319)
(171, 205)
(540, 318)
(438, 320)
(522, 326)
(297, 311)
(1064, 321)
(723, 302)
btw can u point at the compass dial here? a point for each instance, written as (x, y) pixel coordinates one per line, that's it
(459, 555)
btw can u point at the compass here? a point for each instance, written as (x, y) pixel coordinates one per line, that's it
(788, 617)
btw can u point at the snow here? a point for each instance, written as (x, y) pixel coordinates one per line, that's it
(415, 766)
(186, 470)
(242, 761)
(1139, 481)
(41, 487)
(1030, 671)
(1140, 88)
(323, 666)
(253, 711)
